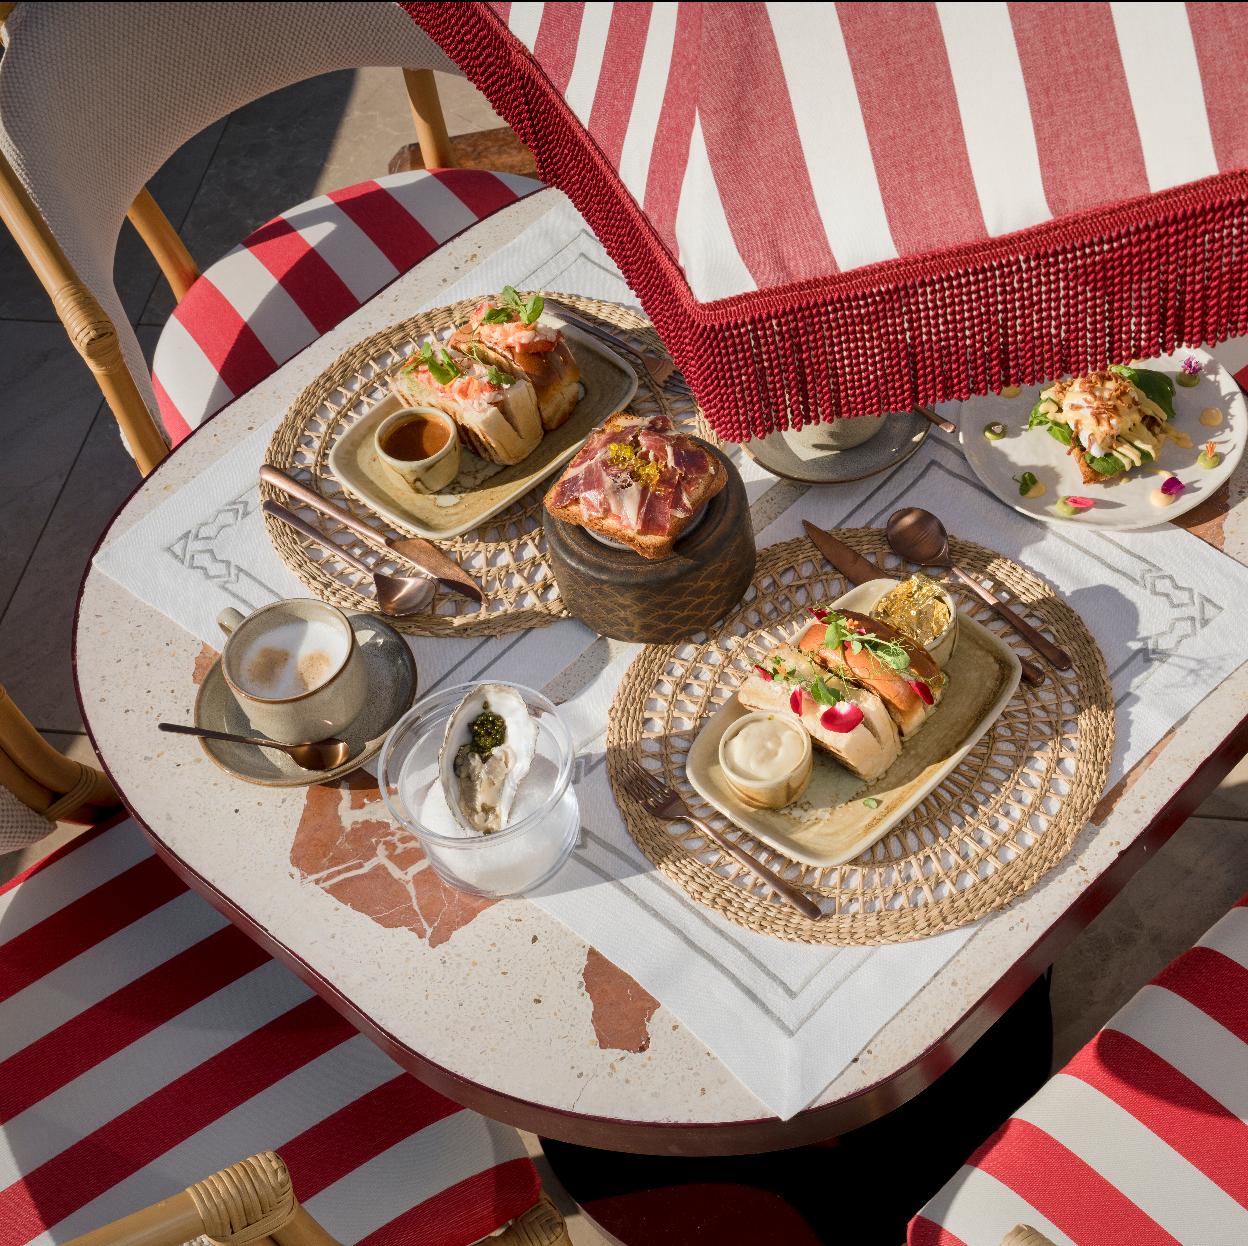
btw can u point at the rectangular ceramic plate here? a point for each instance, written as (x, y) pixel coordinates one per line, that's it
(481, 489)
(829, 825)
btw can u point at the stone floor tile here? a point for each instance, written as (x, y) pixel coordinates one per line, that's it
(36, 621)
(48, 399)
(1191, 881)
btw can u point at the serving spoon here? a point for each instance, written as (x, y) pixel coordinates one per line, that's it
(317, 755)
(396, 594)
(919, 537)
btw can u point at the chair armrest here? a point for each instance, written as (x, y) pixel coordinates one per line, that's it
(1025, 1235)
(541, 1225)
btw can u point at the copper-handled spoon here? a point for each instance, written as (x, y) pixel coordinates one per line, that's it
(316, 755)
(919, 537)
(396, 594)
(945, 426)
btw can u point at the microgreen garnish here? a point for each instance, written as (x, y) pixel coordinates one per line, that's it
(441, 366)
(498, 377)
(872, 802)
(513, 307)
(840, 631)
(1026, 482)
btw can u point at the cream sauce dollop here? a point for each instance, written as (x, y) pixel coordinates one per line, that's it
(765, 750)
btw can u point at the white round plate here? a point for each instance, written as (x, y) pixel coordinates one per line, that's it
(1126, 502)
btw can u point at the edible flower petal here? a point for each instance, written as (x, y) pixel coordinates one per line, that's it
(766, 674)
(795, 701)
(841, 718)
(1192, 366)
(815, 613)
(1080, 504)
(1172, 486)
(922, 691)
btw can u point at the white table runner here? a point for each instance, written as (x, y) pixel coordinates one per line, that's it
(786, 1019)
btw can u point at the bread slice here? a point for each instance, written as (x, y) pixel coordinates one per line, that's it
(867, 751)
(554, 374)
(597, 493)
(896, 689)
(501, 424)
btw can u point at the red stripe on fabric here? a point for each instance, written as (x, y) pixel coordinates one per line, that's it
(479, 190)
(1107, 163)
(1220, 36)
(177, 427)
(555, 45)
(1214, 983)
(224, 336)
(925, 1232)
(96, 1163)
(1185, 1117)
(617, 83)
(85, 922)
(362, 1130)
(59, 854)
(1242, 902)
(751, 135)
(123, 1017)
(914, 148)
(465, 1212)
(1064, 1189)
(669, 153)
(390, 227)
(307, 277)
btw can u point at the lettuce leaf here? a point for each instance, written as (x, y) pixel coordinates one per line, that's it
(1155, 385)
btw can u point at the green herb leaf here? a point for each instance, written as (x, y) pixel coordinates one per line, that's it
(1025, 482)
(1155, 385)
(1106, 464)
(498, 377)
(498, 315)
(872, 802)
(835, 633)
(823, 693)
(441, 366)
(1062, 433)
(533, 309)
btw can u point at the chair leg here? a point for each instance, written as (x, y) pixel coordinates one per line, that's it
(39, 776)
(167, 248)
(89, 328)
(422, 94)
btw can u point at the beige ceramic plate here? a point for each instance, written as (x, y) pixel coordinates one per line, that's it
(392, 689)
(830, 825)
(481, 489)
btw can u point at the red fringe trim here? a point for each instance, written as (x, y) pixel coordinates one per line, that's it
(1130, 280)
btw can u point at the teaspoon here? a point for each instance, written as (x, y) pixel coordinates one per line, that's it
(396, 594)
(919, 537)
(319, 755)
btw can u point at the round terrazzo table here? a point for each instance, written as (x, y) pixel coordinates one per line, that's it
(474, 997)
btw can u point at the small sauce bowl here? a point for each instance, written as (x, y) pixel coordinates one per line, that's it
(782, 784)
(420, 445)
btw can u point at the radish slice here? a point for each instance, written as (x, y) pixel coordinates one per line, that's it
(842, 717)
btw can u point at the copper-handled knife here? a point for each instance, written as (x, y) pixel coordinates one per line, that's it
(423, 555)
(855, 568)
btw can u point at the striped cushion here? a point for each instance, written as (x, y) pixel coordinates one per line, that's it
(1141, 1138)
(302, 273)
(145, 1043)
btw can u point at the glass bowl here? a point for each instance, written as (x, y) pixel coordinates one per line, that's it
(545, 819)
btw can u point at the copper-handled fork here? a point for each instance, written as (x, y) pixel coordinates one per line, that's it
(665, 803)
(659, 366)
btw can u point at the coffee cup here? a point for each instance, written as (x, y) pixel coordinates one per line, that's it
(421, 446)
(845, 434)
(296, 669)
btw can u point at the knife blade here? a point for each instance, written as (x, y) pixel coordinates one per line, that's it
(851, 564)
(422, 554)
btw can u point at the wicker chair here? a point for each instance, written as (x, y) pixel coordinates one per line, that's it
(39, 787)
(252, 1202)
(82, 131)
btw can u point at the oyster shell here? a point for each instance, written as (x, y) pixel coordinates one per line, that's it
(486, 752)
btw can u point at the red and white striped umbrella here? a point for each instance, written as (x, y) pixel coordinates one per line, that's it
(837, 209)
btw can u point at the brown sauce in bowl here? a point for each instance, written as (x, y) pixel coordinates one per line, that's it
(416, 439)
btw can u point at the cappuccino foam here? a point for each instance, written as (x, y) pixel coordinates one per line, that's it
(290, 658)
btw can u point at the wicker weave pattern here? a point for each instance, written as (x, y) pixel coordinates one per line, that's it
(246, 1201)
(999, 822)
(507, 555)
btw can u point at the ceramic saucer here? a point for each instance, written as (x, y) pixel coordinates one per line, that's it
(902, 434)
(392, 689)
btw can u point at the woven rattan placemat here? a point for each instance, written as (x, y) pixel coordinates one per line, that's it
(507, 554)
(998, 823)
